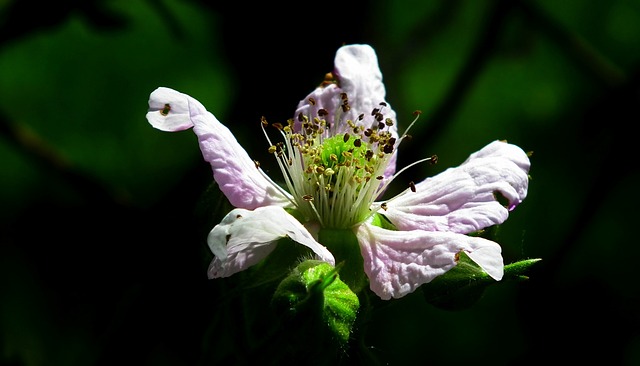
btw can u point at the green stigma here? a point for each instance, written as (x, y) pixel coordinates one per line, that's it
(343, 149)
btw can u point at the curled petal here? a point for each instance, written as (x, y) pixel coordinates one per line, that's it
(398, 262)
(234, 171)
(466, 198)
(243, 238)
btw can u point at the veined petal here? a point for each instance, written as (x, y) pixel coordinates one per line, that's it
(234, 171)
(244, 237)
(358, 75)
(398, 262)
(463, 199)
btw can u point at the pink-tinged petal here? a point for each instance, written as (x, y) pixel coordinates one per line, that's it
(464, 199)
(358, 74)
(398, 262)
(243, 238)
(234, 171)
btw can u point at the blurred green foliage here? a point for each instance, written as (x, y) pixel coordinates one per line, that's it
(102, 245)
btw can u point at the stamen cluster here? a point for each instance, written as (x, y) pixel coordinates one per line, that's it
(334, 176)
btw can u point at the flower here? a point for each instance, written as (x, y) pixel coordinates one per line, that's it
(338, 155)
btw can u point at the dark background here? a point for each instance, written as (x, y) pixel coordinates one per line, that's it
(103, 219)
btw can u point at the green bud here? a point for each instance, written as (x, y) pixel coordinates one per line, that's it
(312, 296)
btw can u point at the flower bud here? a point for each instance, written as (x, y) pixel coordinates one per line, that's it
(313, 296)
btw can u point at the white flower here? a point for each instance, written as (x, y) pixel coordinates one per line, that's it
(337, 156)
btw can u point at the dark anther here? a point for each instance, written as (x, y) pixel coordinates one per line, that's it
(383, 104)
(381, 125)
(392, 141)
(379, 177)
(357, 143)
(368, 155)
(379, 117)
(166, 109)
(412, 186)
(322, 112)
(417, 112)
(361, 117)
(388, 149)
(375, 111)
(346, 137)
(300, 117)
(343, 96)
(346, 108)
(312, 101)
(368, 132)
(434, 159)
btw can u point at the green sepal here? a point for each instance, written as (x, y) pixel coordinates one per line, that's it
(463, 285)
(316, 300)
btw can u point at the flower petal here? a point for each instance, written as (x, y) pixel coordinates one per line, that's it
(234, 171)
(463, 199)
(243, 238)
(358, 74)
(398, 262)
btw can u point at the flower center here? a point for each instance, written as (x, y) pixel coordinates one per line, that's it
(334, 177)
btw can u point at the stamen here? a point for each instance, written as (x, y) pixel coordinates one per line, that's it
(431, 159)
(309, 198)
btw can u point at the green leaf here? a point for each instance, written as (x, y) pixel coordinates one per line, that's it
(464, 284)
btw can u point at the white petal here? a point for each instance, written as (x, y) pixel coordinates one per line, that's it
(244, 237)
(463, 199)
(398, 262)
(233, 169)
(359, 76)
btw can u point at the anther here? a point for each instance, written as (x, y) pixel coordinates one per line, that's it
(322, 112)
(412, 186)
(312, 101)
(166, 109)
(346, 137)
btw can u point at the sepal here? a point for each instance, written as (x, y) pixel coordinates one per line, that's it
(315, 300)
(463, 285)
